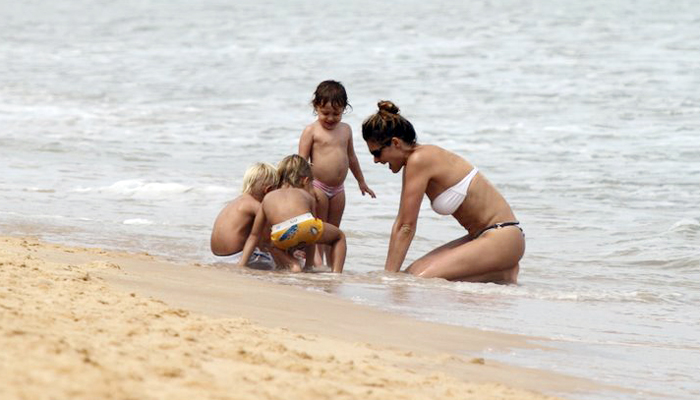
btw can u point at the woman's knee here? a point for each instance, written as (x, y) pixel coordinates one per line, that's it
(418, 267)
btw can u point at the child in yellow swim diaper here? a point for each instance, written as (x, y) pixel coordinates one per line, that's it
(299, 231)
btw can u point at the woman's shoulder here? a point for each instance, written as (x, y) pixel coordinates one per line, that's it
(436, 158)
(432, 148)
(424, 158)
(428, 153)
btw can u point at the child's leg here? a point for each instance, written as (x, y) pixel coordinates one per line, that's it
(285, 260)
(336, 207)
(336, 239)
(322, 213)
(310, 256)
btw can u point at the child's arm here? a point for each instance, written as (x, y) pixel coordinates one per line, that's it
(306, 142)
(254, 237)
(356, 170)
(265, 242)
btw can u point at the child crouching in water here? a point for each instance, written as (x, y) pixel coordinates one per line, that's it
(290, 210)
(233, 224)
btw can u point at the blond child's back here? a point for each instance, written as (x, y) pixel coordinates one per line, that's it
(234, 222)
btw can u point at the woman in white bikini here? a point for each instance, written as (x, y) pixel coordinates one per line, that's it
(492, 249)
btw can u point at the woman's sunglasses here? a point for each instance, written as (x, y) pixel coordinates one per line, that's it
(377, 153)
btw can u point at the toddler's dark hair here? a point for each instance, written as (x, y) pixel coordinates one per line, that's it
(331, 92)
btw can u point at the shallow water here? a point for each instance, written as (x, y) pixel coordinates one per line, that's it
(128, 126)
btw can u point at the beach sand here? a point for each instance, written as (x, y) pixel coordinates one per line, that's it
(81, 323)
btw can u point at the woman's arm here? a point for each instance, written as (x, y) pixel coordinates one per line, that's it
(415, 181)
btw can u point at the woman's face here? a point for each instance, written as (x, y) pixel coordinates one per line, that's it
(385, 153)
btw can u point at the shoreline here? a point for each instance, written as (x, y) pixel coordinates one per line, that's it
(86, 323)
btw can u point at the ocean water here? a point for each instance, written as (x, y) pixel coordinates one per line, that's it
(128, 125)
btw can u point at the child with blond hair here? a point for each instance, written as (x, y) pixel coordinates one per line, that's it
(234, 222)
(290, 211)
(327, 144)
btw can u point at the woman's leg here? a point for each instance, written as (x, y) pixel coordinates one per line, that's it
(493, 257)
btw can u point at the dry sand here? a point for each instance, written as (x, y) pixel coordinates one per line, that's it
(90, 324)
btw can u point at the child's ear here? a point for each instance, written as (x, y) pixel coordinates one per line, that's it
(307, 182)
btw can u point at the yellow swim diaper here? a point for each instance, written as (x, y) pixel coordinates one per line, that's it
(299, 231)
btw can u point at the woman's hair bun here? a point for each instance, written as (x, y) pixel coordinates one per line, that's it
(388, 106)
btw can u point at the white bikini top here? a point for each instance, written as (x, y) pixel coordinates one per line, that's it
(449, 201)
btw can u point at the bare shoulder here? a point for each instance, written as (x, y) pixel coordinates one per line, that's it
(273, 196)
(248, 203)
(240, 201)
(433, 150)
(284, 199)
(310, 195)
(304, 197)
(425, 155)
(345, 130)
(285, 195)
(302, 194)
(433, 160)
(310, 128)
(438, 155)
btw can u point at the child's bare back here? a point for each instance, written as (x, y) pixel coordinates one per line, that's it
(233, 225)
(235, 221)
(286, 203)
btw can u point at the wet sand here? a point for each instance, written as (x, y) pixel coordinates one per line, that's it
(84, 323)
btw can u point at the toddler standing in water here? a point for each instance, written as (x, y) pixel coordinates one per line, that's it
(327, 144)
(290, 211)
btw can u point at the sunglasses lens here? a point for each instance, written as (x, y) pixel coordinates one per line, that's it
(378, 152)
